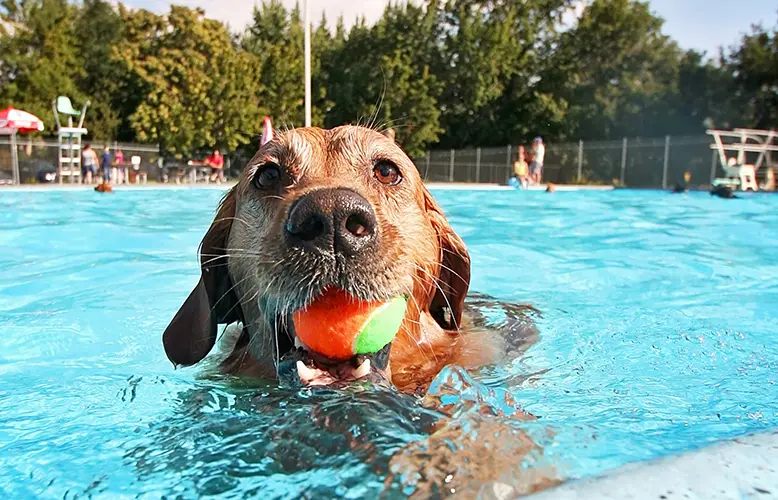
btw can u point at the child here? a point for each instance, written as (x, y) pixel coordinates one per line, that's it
(520, 167)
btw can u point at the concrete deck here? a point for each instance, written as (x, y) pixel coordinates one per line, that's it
(745, 467)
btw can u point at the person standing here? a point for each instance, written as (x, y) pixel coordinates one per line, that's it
(120, 167)
(106, 164)
(538, 156)
(88, 164)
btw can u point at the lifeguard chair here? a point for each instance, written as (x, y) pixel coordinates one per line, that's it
(69, 138)
(738, 171)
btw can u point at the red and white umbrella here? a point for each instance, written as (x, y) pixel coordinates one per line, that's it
(20, 121)
(14, 120)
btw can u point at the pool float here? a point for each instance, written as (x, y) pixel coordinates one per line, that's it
(339, 326)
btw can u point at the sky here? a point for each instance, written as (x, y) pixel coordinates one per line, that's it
(695, 24)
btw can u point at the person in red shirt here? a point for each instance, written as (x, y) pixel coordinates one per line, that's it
(216, 162)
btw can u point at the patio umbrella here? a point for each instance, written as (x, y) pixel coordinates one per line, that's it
(20, 121)
(14, 120)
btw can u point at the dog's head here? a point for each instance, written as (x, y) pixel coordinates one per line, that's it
(315, 209)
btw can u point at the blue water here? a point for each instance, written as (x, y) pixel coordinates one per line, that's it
(657, 335)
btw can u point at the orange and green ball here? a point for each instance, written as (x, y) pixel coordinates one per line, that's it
(339, 326)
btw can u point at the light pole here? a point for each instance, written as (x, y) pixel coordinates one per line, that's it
(307, 66)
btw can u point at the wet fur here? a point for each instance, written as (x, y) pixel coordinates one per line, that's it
(251, 278)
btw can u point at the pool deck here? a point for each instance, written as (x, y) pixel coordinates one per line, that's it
(448, 186)
(745, 467)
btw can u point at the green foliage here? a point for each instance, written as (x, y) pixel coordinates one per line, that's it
(755, 65)
(614, 70)
(276, 39)
(98, 27)
(441, 73)
(37, 56)
(197, 89)
(380, 78)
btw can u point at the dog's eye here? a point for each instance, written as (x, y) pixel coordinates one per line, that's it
(267, 176)
(387, 173)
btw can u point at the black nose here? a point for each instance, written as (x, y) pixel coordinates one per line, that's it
(332, 220)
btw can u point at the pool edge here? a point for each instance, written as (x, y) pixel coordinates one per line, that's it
(742, 467)
(435, 186)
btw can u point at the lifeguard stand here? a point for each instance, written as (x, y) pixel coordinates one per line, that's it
(69, 138)
(738, 171)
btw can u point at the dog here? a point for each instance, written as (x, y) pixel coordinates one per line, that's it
(723, 192)
(315, 209)
(104, 187)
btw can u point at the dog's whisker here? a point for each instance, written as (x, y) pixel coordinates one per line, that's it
(225, 219)
(442, 292)
(225, 294)
(417, 339)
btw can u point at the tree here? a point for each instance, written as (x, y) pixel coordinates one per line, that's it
(755, 66)
(276, 39)
(614, 69)
(706, 95)
(196, 88)
(380, 77)
(38, 56)
(98, 27)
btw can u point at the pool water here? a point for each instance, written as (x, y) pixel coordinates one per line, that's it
(657, 335)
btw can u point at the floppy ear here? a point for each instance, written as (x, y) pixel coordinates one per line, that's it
(191, 334)
(454, 276)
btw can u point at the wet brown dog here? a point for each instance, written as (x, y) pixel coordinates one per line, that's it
(329, 208)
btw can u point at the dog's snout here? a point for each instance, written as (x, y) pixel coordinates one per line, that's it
(332, 220)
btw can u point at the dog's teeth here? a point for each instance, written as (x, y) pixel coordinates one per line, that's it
(363, 370)
(297, 342)
(304, 372)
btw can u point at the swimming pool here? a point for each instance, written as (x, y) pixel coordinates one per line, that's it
(656, 336)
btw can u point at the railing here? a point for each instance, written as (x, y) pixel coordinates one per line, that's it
(37, 155)
(631, 162)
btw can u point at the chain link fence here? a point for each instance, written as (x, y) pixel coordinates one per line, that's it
(631, 162)
(38, 158)
(641, 163)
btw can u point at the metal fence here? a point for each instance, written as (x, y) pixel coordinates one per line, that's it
(632, 162)
(37, 155)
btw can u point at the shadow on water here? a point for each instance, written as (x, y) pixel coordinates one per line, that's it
(467, 437)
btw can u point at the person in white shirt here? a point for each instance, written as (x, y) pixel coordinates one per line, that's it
(538, 155)
(88, 164)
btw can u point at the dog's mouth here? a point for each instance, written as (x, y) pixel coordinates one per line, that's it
(303, 367)
(335, 355)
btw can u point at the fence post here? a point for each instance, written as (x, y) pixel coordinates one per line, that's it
(580, 160)
(451, 167)
(15, 160)
(667, 159)
(427, 165)
(508, 164)
(713, 161)
(623, 160)
(477, 165)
